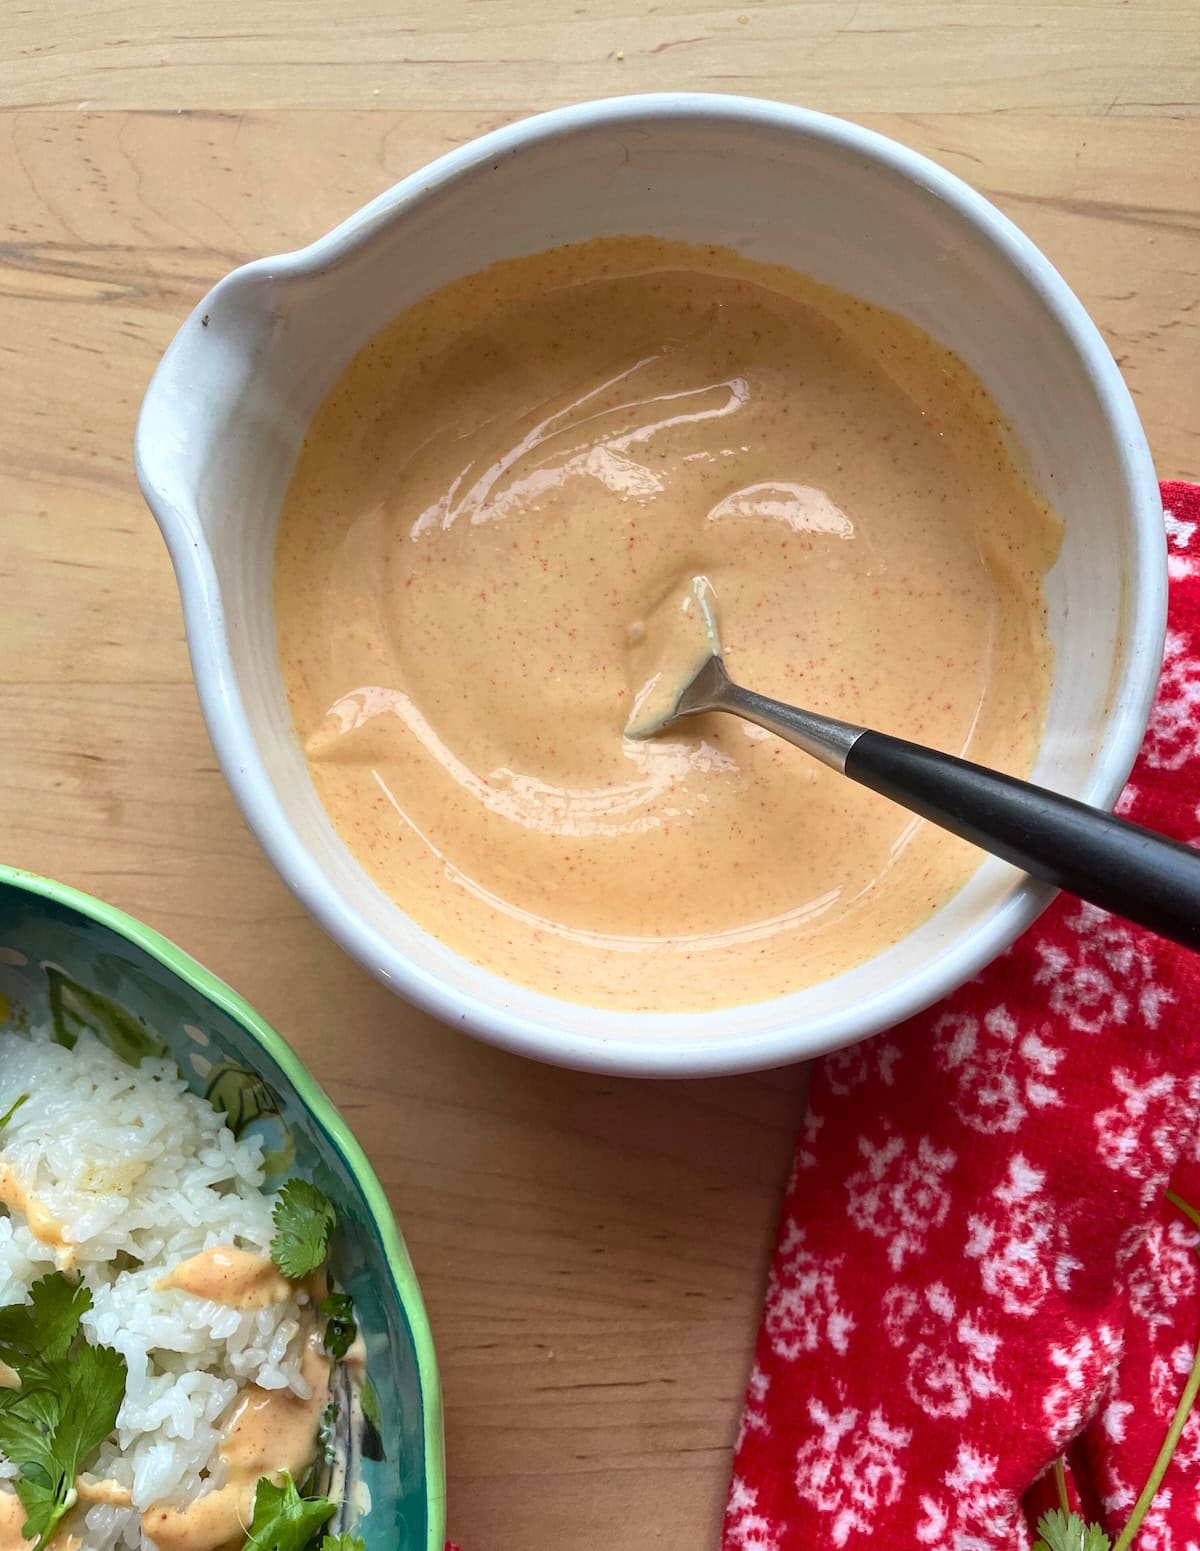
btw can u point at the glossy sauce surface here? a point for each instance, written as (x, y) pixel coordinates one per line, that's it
(234, 1277)
(490, 514)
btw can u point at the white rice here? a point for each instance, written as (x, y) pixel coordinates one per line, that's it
(134, 1165)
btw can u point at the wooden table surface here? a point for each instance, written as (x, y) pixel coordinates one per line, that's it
(592, 1251)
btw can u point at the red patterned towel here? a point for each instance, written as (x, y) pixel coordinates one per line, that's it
(977, 1269)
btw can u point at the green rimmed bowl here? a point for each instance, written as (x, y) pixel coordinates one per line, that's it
(76, 963)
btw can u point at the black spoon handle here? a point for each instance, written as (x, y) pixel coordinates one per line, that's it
(1121, 866)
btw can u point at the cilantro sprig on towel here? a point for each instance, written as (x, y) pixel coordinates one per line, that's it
(1059, 1531)
(1062, 1530)
(304, 1218)
(66, 1406)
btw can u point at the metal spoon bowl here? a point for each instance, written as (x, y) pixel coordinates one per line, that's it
(1120, 866)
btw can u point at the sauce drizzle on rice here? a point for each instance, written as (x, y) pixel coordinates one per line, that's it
(39, 1219)
(267, 1431)
(161, 1212)
(230, 1276)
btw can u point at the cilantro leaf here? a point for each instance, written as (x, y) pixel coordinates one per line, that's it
(304, 1219)
(63, 1411)
(283, 1520)
(41, 1331)
(9, 1113)
(341, 1332)
(93, 1397)
(372, 1433)
(45, 1507)
(1059, 1531)
(343, 1543)
(28, 1419)
(370, 1404)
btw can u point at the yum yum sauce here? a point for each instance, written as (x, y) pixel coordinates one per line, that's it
(490, 515)
(263, 1433)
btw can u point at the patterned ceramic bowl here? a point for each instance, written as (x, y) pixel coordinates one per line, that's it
(76, 963)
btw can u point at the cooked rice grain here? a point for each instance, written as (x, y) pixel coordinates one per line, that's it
(142, 1174)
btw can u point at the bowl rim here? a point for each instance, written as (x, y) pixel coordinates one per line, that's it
(327, 1117)
(607, 1049)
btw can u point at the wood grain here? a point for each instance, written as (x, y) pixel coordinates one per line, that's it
(593, 1251)
(847, 56)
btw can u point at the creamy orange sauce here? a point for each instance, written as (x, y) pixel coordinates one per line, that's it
(266, 1432)
(12, 1521)
(234, 1277)
(40, 1221)
(494, 501)
(111, 1493)
(676, 642)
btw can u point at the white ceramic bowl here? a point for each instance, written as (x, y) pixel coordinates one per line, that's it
(225, 413)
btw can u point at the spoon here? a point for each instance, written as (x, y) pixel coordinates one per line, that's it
(1122, 867)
